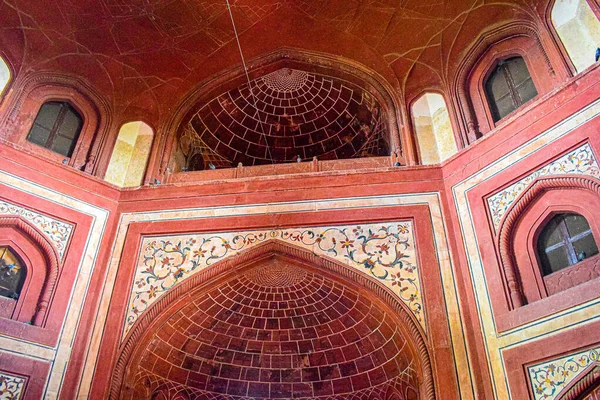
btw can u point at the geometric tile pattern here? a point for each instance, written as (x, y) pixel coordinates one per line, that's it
(11, 387)
(580, 161)
(549, 378)
(279, 331)
(384, 251)
(291, 114)
(57, 232)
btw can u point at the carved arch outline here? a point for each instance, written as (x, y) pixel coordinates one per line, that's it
(386, 94)
(459, 89)
(589, 378)
(168, 391)
(252, 255)
(513, 216)
(47, 86)
(50, 256)
(555, 38)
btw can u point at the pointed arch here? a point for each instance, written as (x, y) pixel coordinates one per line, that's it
(168, 391)
(30, 92)
(468, 106)
(52, 263)
(400, 141)
(129, 158)
(225, 269)
(433, 128)
(514, 215)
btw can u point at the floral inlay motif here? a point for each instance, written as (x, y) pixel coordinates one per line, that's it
(11, 387)
(383, 251)
(580, 161)
(57, 232)
(548, 379)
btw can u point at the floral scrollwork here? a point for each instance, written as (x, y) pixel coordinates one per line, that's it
(385, 252)
(549, 379)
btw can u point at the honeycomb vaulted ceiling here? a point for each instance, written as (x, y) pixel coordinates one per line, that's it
(289, 113)
(144, 56)
(277, 331)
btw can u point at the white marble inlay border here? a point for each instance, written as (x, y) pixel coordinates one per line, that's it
(59, 356)
(580, 161)
(384, 251)
(549, 378)
(432, 200)
(57, 232)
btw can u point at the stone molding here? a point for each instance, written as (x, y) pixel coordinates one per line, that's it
(460, 85)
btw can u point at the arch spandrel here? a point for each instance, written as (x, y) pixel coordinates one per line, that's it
(578, 162)
(384, 252)
(208, 318)
(57, 232)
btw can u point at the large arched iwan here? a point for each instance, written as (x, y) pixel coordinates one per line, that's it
(289, 266)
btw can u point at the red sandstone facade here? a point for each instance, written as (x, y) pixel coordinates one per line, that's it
(340, 276)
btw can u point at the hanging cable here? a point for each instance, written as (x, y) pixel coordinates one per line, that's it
(257, 115)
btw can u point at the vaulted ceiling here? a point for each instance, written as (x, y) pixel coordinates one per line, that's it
(276, 331)
(144, 56)
(290, 115)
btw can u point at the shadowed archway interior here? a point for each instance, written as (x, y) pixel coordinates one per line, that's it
(277, 329)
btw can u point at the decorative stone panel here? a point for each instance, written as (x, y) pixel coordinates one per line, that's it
(383, 251)
(550, 378)
(580, 161)
(57, 232)
(11, 386)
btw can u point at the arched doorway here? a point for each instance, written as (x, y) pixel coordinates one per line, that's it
(275, 322)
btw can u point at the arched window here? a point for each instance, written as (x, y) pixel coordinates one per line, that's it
(565, 240)
(12, 274)
(130, 155)
(433, 129)
(4, 75)
(578, 29)
(56, 127)
(508, 87)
